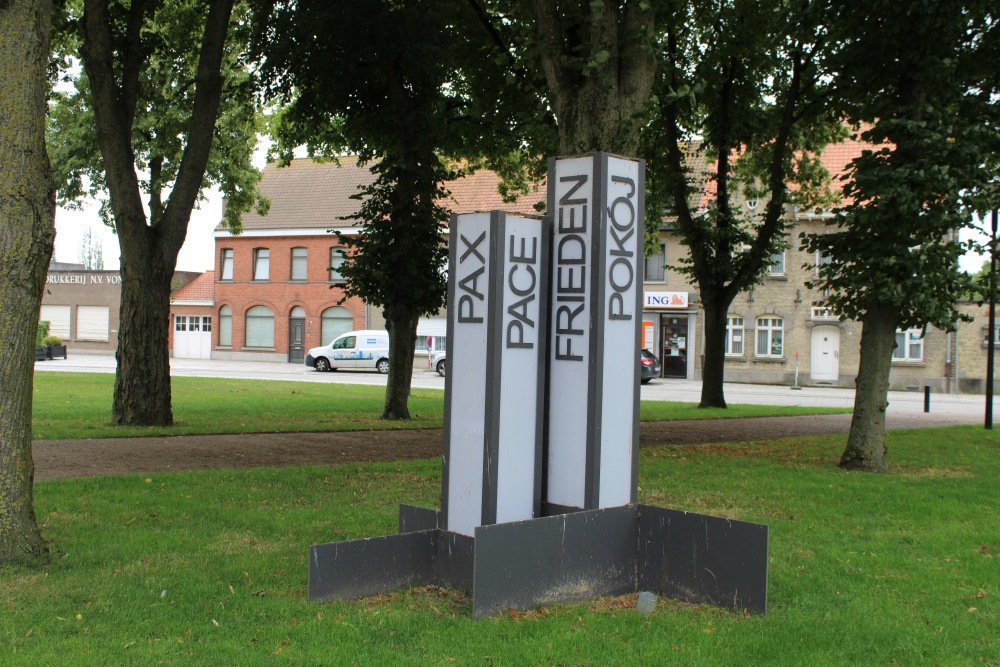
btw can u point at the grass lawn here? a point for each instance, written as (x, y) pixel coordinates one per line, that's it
(209, 568)
(78, 405)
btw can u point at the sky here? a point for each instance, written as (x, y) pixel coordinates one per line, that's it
(197, 253)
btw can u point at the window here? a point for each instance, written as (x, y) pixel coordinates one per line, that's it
(656, 266)
(180, 323)
(194, 323)
(206, 324)
(822, 259)
(336, 261)
(986, 335)
(226, 272)
(93, 323)
(261, 263)
(734, 335)
(346, 343)
(438, 343)
(298, 264)
(770, 336)
(777, 267)
(909, 345)
(334, 322)
(225, 327)
(58, 318)
(260, 327)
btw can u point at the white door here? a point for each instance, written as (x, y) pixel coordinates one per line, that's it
(824, 361)
(192, 337)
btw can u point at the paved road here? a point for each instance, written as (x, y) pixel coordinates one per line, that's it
(968, 408)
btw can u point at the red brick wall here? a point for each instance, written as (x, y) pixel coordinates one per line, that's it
(278, 293)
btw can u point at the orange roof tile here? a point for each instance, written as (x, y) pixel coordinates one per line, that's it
(201, 288)
(307, 195)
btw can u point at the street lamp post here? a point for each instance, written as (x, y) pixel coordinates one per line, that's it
(991, 341)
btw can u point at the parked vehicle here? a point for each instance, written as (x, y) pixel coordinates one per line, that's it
(439, 362)
(354, 349)
(649, 366)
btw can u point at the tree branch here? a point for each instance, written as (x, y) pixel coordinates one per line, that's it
(201, 127)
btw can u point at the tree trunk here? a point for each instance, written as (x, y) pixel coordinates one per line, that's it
(401, 324)
(142, 383)
(866, 448)
(599, 66)
(714, 367)
(148, 247)
(27, 214)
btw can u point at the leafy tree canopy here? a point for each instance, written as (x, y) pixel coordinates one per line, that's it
(164, 93)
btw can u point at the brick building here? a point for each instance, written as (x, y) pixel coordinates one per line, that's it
(276, 289)
(273, 294)
(779, 327)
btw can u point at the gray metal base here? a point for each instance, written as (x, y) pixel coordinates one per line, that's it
(561, 558)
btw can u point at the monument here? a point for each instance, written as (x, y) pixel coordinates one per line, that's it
(540, 454)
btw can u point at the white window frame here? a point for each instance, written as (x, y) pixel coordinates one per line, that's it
(335, 275)
(658, 263)
(58, 318)
(180, 322)
(912, 347)
(255, 326)
(299, 264)
(335, 321)
(734, 347)
(767, 327)
(226, 264)
(261, 264)
(206, 323)
(777, 264)
(225, 326)
(93, 323)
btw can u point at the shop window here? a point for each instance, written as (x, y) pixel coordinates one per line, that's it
(298, 264)
(261, 263)
(226, 264)
(225, 327)
(909, 345)
(260, 327)
(770, 337)
(734, 336)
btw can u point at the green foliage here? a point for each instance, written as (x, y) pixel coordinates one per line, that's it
(919, 89)
(49, 341)
(43, 331)
(199, 567)
(741, 84)
(172, 40)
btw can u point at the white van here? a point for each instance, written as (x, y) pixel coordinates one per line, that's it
(354, 349)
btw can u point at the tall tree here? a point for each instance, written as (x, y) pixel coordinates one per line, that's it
(143, 124)
(740, 90)
(27, 210)
(91, 251)
(590, 65)
(399, 103)
(919, 81)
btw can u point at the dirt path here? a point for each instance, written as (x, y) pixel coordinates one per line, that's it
(112, 456)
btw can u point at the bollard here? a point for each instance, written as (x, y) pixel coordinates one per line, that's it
(927, 398)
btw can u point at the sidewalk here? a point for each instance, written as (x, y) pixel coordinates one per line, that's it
(969, 407)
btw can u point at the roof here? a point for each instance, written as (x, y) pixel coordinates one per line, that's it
(316, 195)
(201, 288)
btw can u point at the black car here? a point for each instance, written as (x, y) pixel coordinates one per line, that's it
(649, 366)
